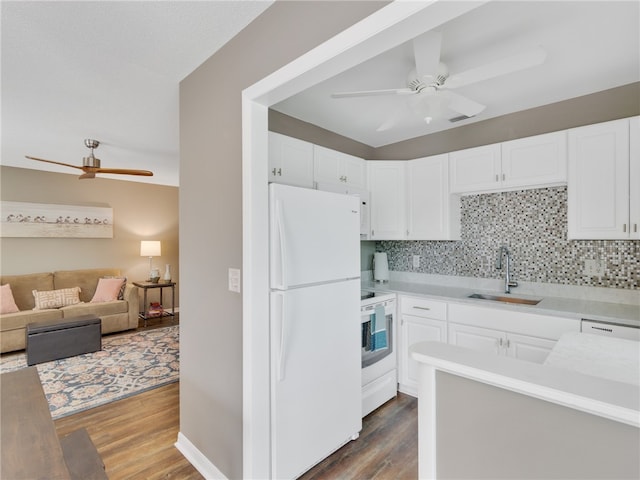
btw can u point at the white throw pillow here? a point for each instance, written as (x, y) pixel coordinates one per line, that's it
(56, 298)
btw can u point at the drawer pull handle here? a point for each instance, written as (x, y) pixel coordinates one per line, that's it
(421, 308)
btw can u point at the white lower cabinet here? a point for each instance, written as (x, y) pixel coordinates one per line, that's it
(421, 320)
(523, 335)
(524, 347)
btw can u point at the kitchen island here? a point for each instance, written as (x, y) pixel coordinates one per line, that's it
(484, 416)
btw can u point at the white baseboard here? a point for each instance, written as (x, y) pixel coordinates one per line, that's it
(201, 463)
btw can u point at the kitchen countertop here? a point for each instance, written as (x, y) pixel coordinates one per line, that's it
(575, 308)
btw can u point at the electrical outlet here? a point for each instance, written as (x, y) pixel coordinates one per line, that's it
(234, 280)
(416, 261)
(594, 268)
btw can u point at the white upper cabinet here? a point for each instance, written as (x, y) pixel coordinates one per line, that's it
(339, 168)
(604, 179)
(539, 161)
(531, 162)
(475, 169)
(432, 213)
(387, 198)
(290, 161)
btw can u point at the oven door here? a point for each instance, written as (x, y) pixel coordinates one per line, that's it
(371, 355)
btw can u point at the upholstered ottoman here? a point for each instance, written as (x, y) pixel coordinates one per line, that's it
(62, 338)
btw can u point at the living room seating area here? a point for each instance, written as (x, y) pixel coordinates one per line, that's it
(38, 297)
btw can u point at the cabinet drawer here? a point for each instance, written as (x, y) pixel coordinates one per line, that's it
(423, 307)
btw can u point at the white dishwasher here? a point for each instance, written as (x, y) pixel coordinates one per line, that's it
(596, 327)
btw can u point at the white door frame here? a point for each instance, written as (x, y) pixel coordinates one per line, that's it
(390, 26)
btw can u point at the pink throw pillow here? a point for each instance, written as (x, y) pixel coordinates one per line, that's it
(7, 303)
(107, 290)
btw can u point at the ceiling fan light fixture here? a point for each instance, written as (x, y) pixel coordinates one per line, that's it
(91, 161)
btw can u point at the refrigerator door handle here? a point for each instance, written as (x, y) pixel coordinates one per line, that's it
(282, 243)
(282, 325)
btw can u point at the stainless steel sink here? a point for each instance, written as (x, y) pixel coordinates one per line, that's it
(502, 298)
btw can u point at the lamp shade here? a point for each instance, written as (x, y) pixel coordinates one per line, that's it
(150, 248)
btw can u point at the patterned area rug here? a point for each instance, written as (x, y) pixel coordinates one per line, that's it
(126, 365)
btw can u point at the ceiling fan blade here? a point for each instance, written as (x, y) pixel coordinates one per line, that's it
(121, 171)
(51, 161)
(463, 105)
(373, 93)
(426, 50)
(514, 63)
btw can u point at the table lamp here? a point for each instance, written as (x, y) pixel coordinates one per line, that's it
(151, 248)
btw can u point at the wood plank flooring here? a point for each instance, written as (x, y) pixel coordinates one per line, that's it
(387, 447)
(135, 438)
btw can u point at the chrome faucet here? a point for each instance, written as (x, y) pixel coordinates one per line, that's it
(508, 283)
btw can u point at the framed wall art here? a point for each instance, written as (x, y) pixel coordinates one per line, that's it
(21, 219)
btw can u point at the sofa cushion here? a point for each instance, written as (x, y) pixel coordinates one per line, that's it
(98, 309)
(22, 287)
(12, 321)
(7, 303)
(56, 298)
(108, 289)
(87, 280)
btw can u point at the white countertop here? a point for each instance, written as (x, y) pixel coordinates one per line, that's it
(576, 308)
(599, 396)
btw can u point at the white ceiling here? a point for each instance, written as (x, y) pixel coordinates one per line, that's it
(107, 70)
(591, 46)
(110, 70)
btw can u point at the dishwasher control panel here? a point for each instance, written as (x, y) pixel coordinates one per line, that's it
(610, 329)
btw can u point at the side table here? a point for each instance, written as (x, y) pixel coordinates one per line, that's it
(161, 284)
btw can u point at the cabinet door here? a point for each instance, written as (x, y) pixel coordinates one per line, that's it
(634, 176)
(476, 338)
(475, 169)
(331, 166)
(387, 199)
(290, 161)
(535, 161)
(525, 347)
(432, 213)
(355, 171)
(598, 188)
(415, 330)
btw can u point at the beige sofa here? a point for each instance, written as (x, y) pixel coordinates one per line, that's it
(117, 315)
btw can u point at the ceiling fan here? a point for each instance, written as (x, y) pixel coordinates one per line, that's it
(91, 164)
(430, 82)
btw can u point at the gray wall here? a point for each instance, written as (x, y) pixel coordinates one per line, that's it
(533, 223)
(141, 211)
(487, 432)
(211, 213)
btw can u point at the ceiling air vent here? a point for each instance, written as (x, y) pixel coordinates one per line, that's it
(459, 118)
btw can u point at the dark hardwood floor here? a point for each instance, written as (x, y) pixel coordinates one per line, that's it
(386, 449)
(135, 438)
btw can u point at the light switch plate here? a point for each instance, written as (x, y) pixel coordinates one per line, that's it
(234, 280)
(416, 261)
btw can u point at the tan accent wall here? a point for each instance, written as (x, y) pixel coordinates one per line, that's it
(211, 213)
(141, 211)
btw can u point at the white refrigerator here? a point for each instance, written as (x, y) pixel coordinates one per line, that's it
(315, 326)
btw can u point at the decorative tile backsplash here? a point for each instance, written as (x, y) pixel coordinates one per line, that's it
(533, 224)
